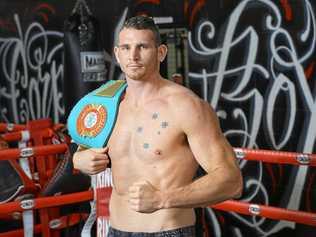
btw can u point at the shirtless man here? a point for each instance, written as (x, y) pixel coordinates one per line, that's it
(162, 134)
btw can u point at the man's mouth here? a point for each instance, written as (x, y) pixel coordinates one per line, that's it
(134, 65)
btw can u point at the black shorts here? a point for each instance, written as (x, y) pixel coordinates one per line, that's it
(188, 231)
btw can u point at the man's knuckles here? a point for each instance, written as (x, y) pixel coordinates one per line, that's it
(100, 150)
(137, 191)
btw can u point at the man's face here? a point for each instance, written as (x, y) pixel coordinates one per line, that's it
(137, 53)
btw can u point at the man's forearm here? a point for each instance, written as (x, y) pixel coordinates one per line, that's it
(207, 190)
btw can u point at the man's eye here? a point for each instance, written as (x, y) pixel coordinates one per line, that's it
(124, 47)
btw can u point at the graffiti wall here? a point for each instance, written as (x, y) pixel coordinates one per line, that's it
(31, 53)
(256, 67)
(253, 61)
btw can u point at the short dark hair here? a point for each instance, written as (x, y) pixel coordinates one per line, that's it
(143, 23)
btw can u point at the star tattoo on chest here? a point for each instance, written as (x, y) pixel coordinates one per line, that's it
(139, 129)
(162, 125)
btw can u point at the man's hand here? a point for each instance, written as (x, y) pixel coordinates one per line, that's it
(144, 197)
(91, 161)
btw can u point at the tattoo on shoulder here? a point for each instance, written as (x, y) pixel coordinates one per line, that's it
(146, 145)
(139, 129)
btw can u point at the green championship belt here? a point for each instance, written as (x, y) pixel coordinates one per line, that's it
(92, 119)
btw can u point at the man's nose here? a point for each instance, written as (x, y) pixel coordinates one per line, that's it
(134, 54)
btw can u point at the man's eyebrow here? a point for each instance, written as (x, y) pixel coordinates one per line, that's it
(137, 45)
(143, 43)
(122, 45)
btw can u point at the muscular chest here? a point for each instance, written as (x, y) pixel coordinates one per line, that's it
(148, 134)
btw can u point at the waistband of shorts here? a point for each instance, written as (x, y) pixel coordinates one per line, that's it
(186, 230)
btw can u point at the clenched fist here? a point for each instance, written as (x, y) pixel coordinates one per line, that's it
(144, 197)
(91, 161)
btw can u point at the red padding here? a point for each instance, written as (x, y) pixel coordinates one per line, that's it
(103, 199)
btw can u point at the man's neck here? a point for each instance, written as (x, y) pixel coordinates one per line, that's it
(140, 92)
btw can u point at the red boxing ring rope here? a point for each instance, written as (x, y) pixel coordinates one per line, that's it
(56, 224)
(17, 135)
(10, 127)
(276, 213)
(278, 157)
(15, 153)
(43, 202)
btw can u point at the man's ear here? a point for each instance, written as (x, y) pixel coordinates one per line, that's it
(116, 54)
(162, 52)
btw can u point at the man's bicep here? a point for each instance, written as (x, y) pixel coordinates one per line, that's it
(207, 141)
(209, 154)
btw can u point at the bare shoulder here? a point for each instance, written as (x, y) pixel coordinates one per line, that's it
(187, 108)
(175, 94)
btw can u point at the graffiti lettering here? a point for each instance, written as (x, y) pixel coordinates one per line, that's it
(32, 74)
(285, 79)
